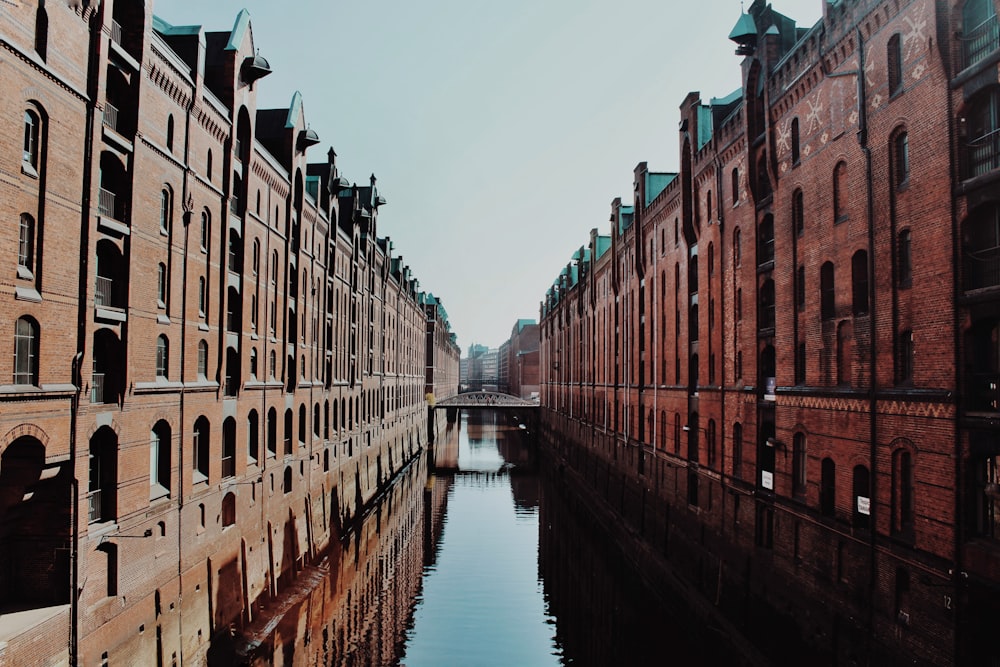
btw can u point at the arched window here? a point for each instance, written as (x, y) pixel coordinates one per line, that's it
(202, 359)
(228, 509)
(272, 432)
(162, 356)
(159, 460)
(735, 178)
(205, 231)
(162, 286)
(26, 335)
(272, 364)
(170, 133)
(316, 420)
(253, 363)
(202, 296)
(32, 133)
(900, 154)
(796, 156)
(208, 165)
(737, 247)
(286, 487)
(202, 443)
(827, 294)
(274, 267)
(255, 266)
(840, 192)
(894, 62)
(798, 213)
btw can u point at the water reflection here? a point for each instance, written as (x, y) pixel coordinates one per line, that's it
(475, 555)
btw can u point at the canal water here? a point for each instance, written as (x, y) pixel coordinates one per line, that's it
(478, 554)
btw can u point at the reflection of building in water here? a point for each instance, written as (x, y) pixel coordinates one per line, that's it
(605, 614)
(358, 608)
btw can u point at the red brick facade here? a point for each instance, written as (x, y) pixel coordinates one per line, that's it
(789, 345)
(217, 359)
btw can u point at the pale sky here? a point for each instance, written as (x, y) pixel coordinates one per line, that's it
(499, 132)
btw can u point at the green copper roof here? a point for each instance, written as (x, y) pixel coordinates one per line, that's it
(626, 214)
(728, 99)
(239, 30)
(704, 125)
(743, 28)
(293, 110)
(164, 28)
(603, 245)
(523, 323)
(655, 184)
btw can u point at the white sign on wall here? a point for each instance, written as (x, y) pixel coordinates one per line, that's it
(767, 479)
(864, 506)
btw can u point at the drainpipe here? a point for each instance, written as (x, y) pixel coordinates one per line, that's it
(186, 218)
(74, 575)
(958, 571)
(87, 184)
(873, 346)
(722, 335)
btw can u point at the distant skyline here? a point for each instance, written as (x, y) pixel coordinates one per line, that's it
(499, 132)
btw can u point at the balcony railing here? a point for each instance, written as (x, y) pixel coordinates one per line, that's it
(980, 41)
(102, 291)
(982, 269)
(116, 32)
(110, 205)
(983, 153)
(94, 512)
(983, 391)
(110, 116)
(97, 387)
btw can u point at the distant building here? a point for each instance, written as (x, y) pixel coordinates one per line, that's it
(521, 356)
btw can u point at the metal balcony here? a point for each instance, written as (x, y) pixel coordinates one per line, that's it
(980, 41)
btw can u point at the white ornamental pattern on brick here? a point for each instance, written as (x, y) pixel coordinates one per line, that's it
(916, 36)
(815, 111)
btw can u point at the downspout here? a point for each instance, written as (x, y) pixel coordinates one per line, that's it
(958, 571)
(186, 219)
(81, 338)
(720, 209)
(74, 605)
(873, 345)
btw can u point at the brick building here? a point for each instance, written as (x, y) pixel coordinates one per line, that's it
(217, 359)
(521, 354)
(789, 346)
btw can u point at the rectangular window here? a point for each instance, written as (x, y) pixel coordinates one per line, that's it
(26, 243)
